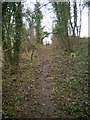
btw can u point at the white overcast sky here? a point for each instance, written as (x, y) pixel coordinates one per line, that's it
(49, 17)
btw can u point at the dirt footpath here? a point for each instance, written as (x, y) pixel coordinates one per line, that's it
(45, 86)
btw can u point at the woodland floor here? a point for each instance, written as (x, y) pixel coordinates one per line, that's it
(54, 85)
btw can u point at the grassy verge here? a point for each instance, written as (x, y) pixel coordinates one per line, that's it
(72, 81)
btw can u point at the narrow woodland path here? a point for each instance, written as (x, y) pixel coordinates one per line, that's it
(44, 86)
(46, 83)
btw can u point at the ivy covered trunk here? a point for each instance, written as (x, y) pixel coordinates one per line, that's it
(11, 33)
(61, 28)
(38, 18)
(17, 36)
